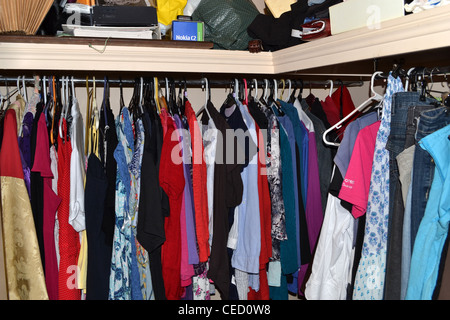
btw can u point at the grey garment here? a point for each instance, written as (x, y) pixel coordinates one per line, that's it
(241, 278)
(406, 106)
(345, 150)
(274, 178)
(405, 162)
(324, 154)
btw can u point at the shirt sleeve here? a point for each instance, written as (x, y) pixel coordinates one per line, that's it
(356, 184)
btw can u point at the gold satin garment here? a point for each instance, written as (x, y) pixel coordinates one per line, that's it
(24, 271)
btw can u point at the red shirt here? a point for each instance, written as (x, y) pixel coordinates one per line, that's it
(199, 185)
(171, 176)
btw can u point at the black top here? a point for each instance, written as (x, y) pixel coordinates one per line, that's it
(228, 188)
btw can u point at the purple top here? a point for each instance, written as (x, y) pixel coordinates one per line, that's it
(189, 204)
(314, 210)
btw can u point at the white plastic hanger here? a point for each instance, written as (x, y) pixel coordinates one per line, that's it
(207, 97)
(255, 83)
(141, 95)
(289, 90)
(376, 97)
(407, 78)
(266, 93)
(65, 102)
(275, 90)
(331, 87)
(236, 88)
(44, 88)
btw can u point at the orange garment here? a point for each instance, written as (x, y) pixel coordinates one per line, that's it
(199, 185)
(87, 2)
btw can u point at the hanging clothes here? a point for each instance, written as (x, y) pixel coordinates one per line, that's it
(333, 258)
(274, 177)
(51, 202)
(99, 205)
(265, 216)
(171, 178)
(209, 133)
(20, 254)
(369, 283)
(199, 181)
(247, 244)
(433, 228)
(399, 139)
(3, 284)
(150, 226)
(188, 256)
(125, 277)
(24, 146)
(289, 262)
(69, 243)
(37, 185)
(324, 154)
(228, 188)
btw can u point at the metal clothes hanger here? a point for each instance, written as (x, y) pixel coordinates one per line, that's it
(376, 97)
(207, 99)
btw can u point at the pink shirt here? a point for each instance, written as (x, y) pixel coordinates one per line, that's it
(356, 184)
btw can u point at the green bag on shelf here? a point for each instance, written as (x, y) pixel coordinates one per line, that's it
(226, 22)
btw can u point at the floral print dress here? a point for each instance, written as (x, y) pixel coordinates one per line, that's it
(369, 281)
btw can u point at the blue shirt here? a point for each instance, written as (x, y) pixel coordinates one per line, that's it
(302, 140)
(433, 228)
(246, 255)
(289, 249)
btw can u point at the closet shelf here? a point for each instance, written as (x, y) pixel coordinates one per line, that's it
(409, 36)
(428, 31)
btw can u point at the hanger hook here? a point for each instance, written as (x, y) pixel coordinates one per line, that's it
(275, 85)
(331, 87)
(255, 83)
(266, 85)
(289, 89)
(206, 90)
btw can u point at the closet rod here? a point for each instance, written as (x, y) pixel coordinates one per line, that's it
(417, 72)
(200, 82)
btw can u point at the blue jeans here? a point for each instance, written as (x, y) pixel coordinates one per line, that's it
(404, 105)
(429, 122)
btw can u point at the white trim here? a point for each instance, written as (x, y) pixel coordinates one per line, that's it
(412, 33)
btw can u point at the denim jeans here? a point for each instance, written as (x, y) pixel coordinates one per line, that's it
(429, 122)
(405, 107)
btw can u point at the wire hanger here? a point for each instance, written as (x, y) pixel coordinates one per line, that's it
(376, 97)
(207, 99)
(207, 96)
(65, 103)
(283, 83)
